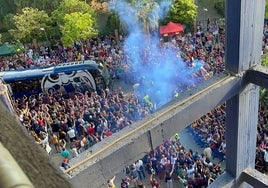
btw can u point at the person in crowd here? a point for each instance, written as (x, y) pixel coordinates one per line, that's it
(222, 149)
(265, 157)
(153, 181)
(65, 163)
(56, 142)
(71, 134)
(63, 135)
(73, 149)
(140, 169)
(168, 178)
(45, 143)
(134, 176)
(125, 182)
(207, 153)
(65, 153)
(110, 182)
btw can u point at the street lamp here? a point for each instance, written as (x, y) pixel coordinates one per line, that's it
(48, 43)
(204, 18)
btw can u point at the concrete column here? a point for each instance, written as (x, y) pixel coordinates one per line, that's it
(244, 24)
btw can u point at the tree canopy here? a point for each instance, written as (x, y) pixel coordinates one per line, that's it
(27, 16)
(77, 26)
(28, 23)
(70, 17)
(68, 7)
(15, 6)
(76, 20)
(182, 11)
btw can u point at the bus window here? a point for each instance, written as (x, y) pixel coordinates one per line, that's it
(26, 87)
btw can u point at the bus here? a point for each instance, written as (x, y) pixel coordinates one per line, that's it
(67, 78)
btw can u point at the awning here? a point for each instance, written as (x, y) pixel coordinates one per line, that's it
(171, 28)
(9, 49)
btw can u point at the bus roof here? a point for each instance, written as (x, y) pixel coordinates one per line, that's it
(16, 75)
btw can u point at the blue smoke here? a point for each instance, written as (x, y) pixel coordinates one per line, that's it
(158, 70)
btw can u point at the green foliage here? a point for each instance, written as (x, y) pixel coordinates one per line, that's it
(6, 7)
(263, 96)
(220, 7)
(28, 24)
(68, 7)
(9, 22)
(264, 61)
(113, 22)
(6, 37)
(266, 9)
(182, 11)
(77, 26)
(15, 6)
(76, 21)
(46, 5)
(148, 14)
(264, 91)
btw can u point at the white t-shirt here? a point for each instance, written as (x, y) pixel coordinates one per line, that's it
(173, 160)
(71, 133)
(138, 164)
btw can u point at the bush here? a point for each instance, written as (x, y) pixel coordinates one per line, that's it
(220, 7)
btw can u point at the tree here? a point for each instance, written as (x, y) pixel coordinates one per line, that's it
(68, 7)
(15, 6)
(141, 14)
(28, 24)
(99, 6)
(8, 21)
(113, 23)
(147, 15)
(182, 11)
(6, 7)
(75, 19)
(220, 7)
(77, 26)
(46, 5)
(148, 12)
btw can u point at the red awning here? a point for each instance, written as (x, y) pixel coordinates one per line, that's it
(171, 28)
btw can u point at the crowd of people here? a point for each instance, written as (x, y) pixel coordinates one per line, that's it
(52, 107)
(171, 162)
(80, 121)
(72, 125)
(209, 131)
